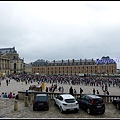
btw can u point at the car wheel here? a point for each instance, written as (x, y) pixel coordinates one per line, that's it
(61, 110)
(117, 106)
(34, 108)
(88, 111)
(103, 112)
(76, 110)
(55, 103)
(47, 108)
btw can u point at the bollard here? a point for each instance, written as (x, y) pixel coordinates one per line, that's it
(26, 101)
(104, 99)
(6, 102)
(15, 105)
(31, 99)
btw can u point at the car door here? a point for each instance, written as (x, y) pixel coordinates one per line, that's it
(56, 99)
(60, 99)
(84, 102)
(81, 101)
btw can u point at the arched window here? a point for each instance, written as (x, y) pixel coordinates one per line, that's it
(14, 66)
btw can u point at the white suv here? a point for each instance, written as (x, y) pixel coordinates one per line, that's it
(66, 102)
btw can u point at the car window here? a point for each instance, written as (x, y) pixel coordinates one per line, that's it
(96, 101)
(82, 97)
(60, 98)
(87, 99)
(70, 100)
(41, 98)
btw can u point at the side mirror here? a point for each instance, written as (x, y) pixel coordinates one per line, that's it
(56, 97)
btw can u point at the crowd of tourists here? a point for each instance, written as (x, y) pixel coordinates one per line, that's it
(67, 79)
(71, 80)
(10, 95)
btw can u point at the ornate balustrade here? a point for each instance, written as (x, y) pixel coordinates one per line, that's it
(32, 93)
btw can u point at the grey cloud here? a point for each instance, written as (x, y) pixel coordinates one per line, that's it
(37, 36)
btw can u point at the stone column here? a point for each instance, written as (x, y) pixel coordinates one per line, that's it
(26, 101)
(15, 105)
(104, 99)
(31, 98)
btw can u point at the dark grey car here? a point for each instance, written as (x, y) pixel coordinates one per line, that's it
(116, 102)
(41, 102)
(92, 104)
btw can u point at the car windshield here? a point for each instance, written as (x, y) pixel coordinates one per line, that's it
(41, 98)
(69, 100)
(96, 101)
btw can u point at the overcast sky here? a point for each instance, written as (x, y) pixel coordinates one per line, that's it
(56, 30)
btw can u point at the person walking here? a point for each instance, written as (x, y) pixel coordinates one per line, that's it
(102, 87)
(62, 89)
(98, 92)
(26, 93)
(107, 92)
(81, 90)
(46, 89)
(93, 91)
(71, 90)
(75, 91)
(26, 82)
(7, 82)
(104, 92)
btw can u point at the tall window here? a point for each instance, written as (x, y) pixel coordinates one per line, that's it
(21, 66)
(14, 67)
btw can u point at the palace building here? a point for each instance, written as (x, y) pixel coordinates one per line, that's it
(75, 67)
(10, 62)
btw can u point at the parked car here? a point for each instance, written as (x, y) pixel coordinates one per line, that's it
(116, 102)
(41, 102)
(66, 102)
(91, 103)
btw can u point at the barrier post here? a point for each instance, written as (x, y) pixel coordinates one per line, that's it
(26, 101)
(15, 105)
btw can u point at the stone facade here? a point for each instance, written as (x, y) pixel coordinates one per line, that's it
(28, 68)
(75, 67)
(10, 62)
(4, 65)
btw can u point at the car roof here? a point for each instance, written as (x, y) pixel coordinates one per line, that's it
(93, 96)
(41, 95)
(67, 96)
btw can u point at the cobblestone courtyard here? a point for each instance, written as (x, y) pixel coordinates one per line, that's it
(7, 107)
(7, 111)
